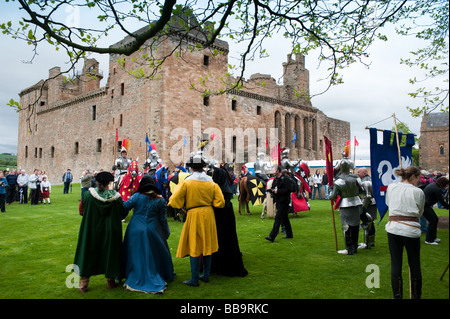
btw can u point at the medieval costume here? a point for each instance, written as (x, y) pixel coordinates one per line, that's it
(130, 181)
(100, 238)
(146, 254)
(199, 194)
(369, 210)
(348, 187)
(46, 189)
(228, 260)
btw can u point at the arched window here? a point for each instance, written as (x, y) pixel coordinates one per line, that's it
(278, 125)
(287, 130)
(305, 133)
(297, 130)
(314, 135)
(441, 150)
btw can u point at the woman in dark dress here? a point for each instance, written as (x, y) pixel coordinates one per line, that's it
(228, 260)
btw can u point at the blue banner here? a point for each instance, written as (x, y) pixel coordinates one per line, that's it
(384, 160)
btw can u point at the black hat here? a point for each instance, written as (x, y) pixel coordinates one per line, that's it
(104, 177)
(196, 161)
(148, 184)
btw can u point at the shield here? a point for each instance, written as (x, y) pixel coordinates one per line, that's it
(257, 189)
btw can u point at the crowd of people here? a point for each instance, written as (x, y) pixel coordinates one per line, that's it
(209, 235)
(18, 186)
(143, 258)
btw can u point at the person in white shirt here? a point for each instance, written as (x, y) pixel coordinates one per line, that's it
(406, 204)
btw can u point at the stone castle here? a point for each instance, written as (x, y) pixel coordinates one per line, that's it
(75, 124)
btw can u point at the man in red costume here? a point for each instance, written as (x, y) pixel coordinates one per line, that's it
(130, 182)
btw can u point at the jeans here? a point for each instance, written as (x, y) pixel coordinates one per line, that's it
(325, 190)
(319, 187)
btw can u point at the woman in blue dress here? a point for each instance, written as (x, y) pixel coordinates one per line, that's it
(147, 259)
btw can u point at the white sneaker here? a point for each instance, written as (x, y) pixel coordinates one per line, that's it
(432, 243)
(437, 240)
(343, 252)
(362, 246)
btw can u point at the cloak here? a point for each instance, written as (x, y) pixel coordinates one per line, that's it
(100, 237)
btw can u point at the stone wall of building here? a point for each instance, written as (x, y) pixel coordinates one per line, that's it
(433, 142)
(74, 125)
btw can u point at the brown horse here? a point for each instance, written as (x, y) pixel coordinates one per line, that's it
(244, 195)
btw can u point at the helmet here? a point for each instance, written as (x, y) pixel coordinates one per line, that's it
(346, 165)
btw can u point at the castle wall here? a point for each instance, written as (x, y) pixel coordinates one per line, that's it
(68, 128)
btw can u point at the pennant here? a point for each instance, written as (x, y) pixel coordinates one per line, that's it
(184, 141)
(356, 142)
(275, 154)
(149, 145)
(384, 161)
(295, 138)
(117, 135)
(329, 160)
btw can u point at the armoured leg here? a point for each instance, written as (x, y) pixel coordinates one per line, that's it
(366, 225)
(348, 241)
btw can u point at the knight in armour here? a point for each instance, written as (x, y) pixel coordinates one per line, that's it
(369, 210)
(348, 187)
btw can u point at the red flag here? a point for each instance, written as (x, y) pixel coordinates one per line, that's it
(356, 142)
(213, 136)
(329, 160)
(117, 135)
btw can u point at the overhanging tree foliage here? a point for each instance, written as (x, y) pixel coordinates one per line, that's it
(340, 30)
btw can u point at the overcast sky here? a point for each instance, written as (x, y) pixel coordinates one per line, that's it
(367, 96)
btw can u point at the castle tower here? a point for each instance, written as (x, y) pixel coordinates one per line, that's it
(90, 77)
(295, 77)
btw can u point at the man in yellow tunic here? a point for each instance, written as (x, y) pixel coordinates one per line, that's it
(198, 194)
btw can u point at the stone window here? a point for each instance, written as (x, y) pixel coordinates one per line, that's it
(76, 149)
(206, 60)
(52, 152)
(35, 152)
(122, 88)
(206, 101)
(99, 145)
(441, 150)
(40, 152)
(94, 112)
(258, 110)
(26, 151)
(233, 105)
(120, 120)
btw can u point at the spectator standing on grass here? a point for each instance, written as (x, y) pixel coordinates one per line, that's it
(3, 185)
(11, 178)
(34, 191)
(317, 179)
(46, 189)
(433, 195)
(325, 185)
(99, 245)
(85, 180)
(22, 180)
(67, 179)
(406, 204)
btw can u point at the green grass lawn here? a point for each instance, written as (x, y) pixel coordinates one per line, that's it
(37, 243)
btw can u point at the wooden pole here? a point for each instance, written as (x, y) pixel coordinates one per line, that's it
(398, 143)
(334, 226)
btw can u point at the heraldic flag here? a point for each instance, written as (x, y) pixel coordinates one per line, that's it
(384, 160)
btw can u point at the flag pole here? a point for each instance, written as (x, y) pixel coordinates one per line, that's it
(334, 226)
